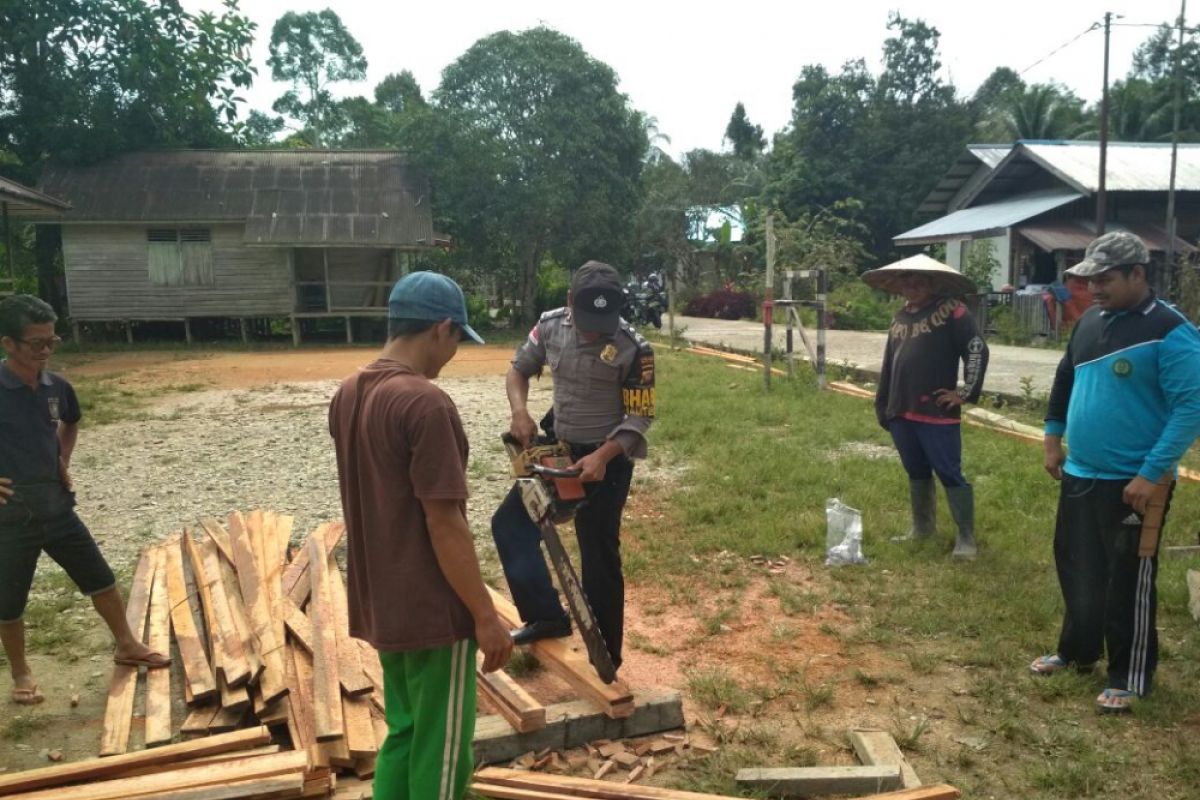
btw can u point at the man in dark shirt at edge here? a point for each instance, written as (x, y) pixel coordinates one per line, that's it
(414, 587)
(39, 426)
(1127, 398)
(918, 400)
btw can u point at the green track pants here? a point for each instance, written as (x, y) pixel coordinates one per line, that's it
(430, 700)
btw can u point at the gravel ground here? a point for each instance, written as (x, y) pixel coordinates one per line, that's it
(204, 454)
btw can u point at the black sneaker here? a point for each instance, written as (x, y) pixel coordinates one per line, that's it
(541, 629)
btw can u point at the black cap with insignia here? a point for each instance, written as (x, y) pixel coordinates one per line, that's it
(596, 298)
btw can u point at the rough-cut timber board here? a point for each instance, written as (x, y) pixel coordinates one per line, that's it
(1182, 550)
(878, 748)
(574, 724)
(297, 579)
(104, 768)
(510, 783)
(229, 717)
(327, 706)
(158, 639)
(299, 625)
(300, 694)
(196, 669)
(228, 586)
(193, 762)
(220, 538)
(360, 733)
(147, 786)
(118, 714)
(228, 655)
(199, 720)
(570, 664)
(511, 700)
(279, 786)
(809, 781)
(259, 606)
(350, 666)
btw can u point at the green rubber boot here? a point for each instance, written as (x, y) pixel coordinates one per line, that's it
(924, 508)
(962, 508)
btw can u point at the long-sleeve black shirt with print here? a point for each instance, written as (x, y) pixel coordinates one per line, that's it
(924, 349)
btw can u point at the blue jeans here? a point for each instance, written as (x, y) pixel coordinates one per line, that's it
(926, 448)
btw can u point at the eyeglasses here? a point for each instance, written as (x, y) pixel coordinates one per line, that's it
(42, 344)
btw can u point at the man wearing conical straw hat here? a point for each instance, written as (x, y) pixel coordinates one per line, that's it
(919, 400)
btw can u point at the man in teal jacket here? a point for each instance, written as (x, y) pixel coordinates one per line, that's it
(1127, 398)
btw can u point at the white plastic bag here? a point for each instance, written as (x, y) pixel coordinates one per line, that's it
(843, 534)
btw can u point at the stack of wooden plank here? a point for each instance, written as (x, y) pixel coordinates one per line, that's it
(262, 636)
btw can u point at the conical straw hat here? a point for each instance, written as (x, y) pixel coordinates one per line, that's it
(946, 279)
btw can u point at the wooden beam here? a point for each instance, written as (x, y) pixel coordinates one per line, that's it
(258, 605)
(511, 700)
(229, 659)
(492, 781)
(360, 733)
(298, 625)
(157, 785)
(327, 706)
(196, 669)
(297, 580)
(219, 536)
(118, 713)
(809, 781)
(566, 659)
(158, 681)
(278, 786)
(878, 748)
(226, 585)
(574, 724)
(198, 720)
(103, 768)
(350, 666)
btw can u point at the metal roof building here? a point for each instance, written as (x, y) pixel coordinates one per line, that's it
(1036, 201)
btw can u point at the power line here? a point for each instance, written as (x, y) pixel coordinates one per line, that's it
(1094, 26)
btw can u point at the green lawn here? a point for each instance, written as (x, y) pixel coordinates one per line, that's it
(757, 471)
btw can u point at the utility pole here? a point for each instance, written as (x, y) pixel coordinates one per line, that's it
(1169, 259)
(1101, 198)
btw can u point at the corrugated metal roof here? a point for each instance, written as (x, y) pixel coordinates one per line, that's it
(23, 201)
(1130, 166)
(971, 165)
(370, 198)
(1078, 234)
(992, 217)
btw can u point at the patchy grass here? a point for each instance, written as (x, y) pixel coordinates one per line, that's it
(960, 635)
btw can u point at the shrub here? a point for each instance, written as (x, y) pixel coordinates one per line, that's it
(857, 307)
(477, 313)
(722, 304)
(553, 281)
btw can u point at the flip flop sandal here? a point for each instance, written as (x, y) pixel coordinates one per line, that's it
(1047, 665)
(151, 661)
(27, 697)
(1115, 701)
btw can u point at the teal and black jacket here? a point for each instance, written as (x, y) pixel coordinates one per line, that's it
(1127, 392)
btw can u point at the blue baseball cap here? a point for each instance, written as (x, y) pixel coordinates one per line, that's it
(433, 297)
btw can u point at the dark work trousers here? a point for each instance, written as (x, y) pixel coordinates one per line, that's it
(1109, 591)
(598, 529)
(926, 448)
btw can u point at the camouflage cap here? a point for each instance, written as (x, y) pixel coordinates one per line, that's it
(1115, 249)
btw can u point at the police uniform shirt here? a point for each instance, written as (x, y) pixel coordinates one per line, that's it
(602, 389)
(29, 418)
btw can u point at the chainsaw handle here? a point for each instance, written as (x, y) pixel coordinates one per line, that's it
(551, 472)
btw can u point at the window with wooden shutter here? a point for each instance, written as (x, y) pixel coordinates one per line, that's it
(180, 257)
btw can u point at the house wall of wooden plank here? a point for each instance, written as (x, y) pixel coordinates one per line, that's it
(180, 235)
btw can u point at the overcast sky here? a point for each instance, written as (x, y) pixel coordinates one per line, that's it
(688, 64)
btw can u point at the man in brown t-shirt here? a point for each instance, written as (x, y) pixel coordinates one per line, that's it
(415, 590)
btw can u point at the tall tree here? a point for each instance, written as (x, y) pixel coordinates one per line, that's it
(535, 154)
(400, 93)
(1041, 111)
(82, 80)
(744, 137)
(311, 51)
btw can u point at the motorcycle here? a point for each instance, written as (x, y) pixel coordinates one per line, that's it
(645, 300)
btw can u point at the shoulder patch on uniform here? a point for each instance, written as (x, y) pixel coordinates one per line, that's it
(553, 313)
(960, 311)
(632, 333)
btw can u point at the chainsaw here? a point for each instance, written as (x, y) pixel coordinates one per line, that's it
(551, 492)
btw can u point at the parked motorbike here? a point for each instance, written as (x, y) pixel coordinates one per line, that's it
(645, 300)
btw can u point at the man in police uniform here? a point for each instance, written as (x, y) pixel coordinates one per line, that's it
(603, 405)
